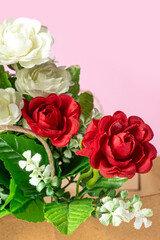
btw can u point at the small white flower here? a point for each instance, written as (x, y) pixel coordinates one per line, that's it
(115, 211)
(47, 173)
(32, 162)
(106, 199)
(141, 216)
(24, 41)
(35, 180)
(105, 219)
(43, 79)
(42, 174)
(39, 173)
(11, 103)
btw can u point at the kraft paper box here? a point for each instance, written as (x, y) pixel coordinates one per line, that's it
(14, 229)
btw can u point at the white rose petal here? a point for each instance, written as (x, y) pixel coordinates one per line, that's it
(43, 79)
(11, 104)
(24, 41)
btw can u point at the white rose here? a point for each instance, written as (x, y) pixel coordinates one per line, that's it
(43, 79)
(11, 104)
(24, 41)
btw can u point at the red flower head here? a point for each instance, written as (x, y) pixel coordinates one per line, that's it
(55, 117)
(118, 146)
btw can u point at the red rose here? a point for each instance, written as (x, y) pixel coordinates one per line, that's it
(55, 117)
(118, 146)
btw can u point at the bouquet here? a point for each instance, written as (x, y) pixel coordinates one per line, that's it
(52, 136)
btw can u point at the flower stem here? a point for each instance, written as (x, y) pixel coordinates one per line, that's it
(82, 176)
(93, 180)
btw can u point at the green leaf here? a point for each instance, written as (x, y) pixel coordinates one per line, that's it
(12, 191)
(66, 217)
(75, 73)
(12, 188)
(29, 98)
(4, 212)
(67, 153)
(124, 194)
(4, 82)
(106, 184)
(11, 150)
(86, 102)
(4, 175)
(25, 208)
(12, 80)
(76, 165)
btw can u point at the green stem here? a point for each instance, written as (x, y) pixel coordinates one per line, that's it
(82, 176)
(93, 180)
(83, 192)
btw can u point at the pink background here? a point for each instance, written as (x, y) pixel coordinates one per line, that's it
(116, 43)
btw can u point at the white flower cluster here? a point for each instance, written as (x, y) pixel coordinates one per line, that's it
(25, 46)
(3, 196)
(116, 210)
(43, 79)
(41, 175)
(24, 41)
(11, 104)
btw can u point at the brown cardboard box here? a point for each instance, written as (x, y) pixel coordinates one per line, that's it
(13, 229)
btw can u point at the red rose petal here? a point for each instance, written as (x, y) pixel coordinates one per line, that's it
(108, 171)
(122, 145)
(86, 152)
(93, 126)
(34, 103)
(69, 107)
(148, 133)
(137, 131)
(104, 124)
(95, 159)
(54, 100)
(138, 153)
(134, 119)
(146, 163)
(72, 126)
(107, 152)
(89, 138)
(61, 141)
(120, 116)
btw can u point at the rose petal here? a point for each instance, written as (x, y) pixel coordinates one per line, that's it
(109, 171)
(120, 116)
(69, 107)
(61, 141)
(146, 163)
(104, 124)
(134, 119)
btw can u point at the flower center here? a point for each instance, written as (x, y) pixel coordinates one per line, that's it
(122, 145)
